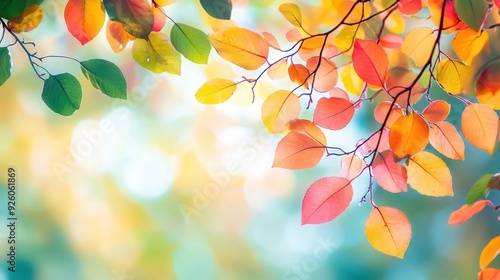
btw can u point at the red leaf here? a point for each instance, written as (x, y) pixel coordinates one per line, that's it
(333, 113)
(135, 15)
(410, 7)
(298, 151)
(84, 19)
(466, 212)
(370, 62)
(159, 19)
(390, 175)
(326, 199)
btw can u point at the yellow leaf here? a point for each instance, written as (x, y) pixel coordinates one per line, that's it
(351, 166)
(28, 20)
(345, 39)
(453, 75)
(480, 126)
(241, 47)
(157, 54)
(469, 43)
(215, 91)
(388, 230)
(418, 45)
(292, 13)
(352, 82)
(278, 70)
(278, 109)
(429, 175)
(490, 251)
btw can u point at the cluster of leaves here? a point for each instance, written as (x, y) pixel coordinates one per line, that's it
(476, 202)
(362, 51)
(61, 92)
(139, 21)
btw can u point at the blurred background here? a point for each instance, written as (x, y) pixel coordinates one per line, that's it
(162, 187)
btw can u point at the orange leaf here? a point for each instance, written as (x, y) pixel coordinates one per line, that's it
(370, 62)
(298, 74)
(382, 110)
(390, 175)
(271, 40)
(437, 111)
(429, 175)
(351, 166)
(466, 212)
(488, 86)
(388, 230)
(409, 135)
(279, 108)
(489, 253)
(326, 75)
(84, 18)
(445, 139)
(325, 199)
(451, 22)
(307, 128)
(399, 82)
(117, 36)
(241, 47)
(419, 44)
(298, 151)
(333, 113)
(468, 43)
(489, 274)
(480, 126)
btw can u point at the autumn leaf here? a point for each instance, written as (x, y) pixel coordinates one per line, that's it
(326, 75)
(489, 253)
(400, 83)
(383, 111)
(391, 41)
(157, 54)
(298, 74)
(84, 19)
(292, 13)
(480, 125)
(135, 15)
(429, 175)
(445, 139)
(410, 7)
(489, 274)
(466, 212)
(298, 151)
(488, 86)
(419, 45)
(352, 82)
(271, 41)
(159, 18)
(452, 75)
(390, 175)
(117, 37)
(370, 62)
(436, 111)
(388, 230)
(409, 135)
(307, 128)
(278, 70)
(333, 113)
(378, 141)
(351, 166)
(28, 20)
(325, 199)
(241, 47)
(468, 44)
(278, 109)
(215, 91)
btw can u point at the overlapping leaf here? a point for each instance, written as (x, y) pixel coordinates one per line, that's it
(388, 230)
(325, 199)
(370, 62)
(106, 77)
(390, 175)
(278, 109)
(157, 54)
(490, 252)
(409, 135)
(333, 113)
(135, 15)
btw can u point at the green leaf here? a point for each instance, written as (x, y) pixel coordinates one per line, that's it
(62, 93)
(5, 65)
(135, 15)
(106, 77)
(157, 54)
(479, 190)
(9, 9)
(220, 9)
(192, 43)
(472, 12)
(31, 2)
